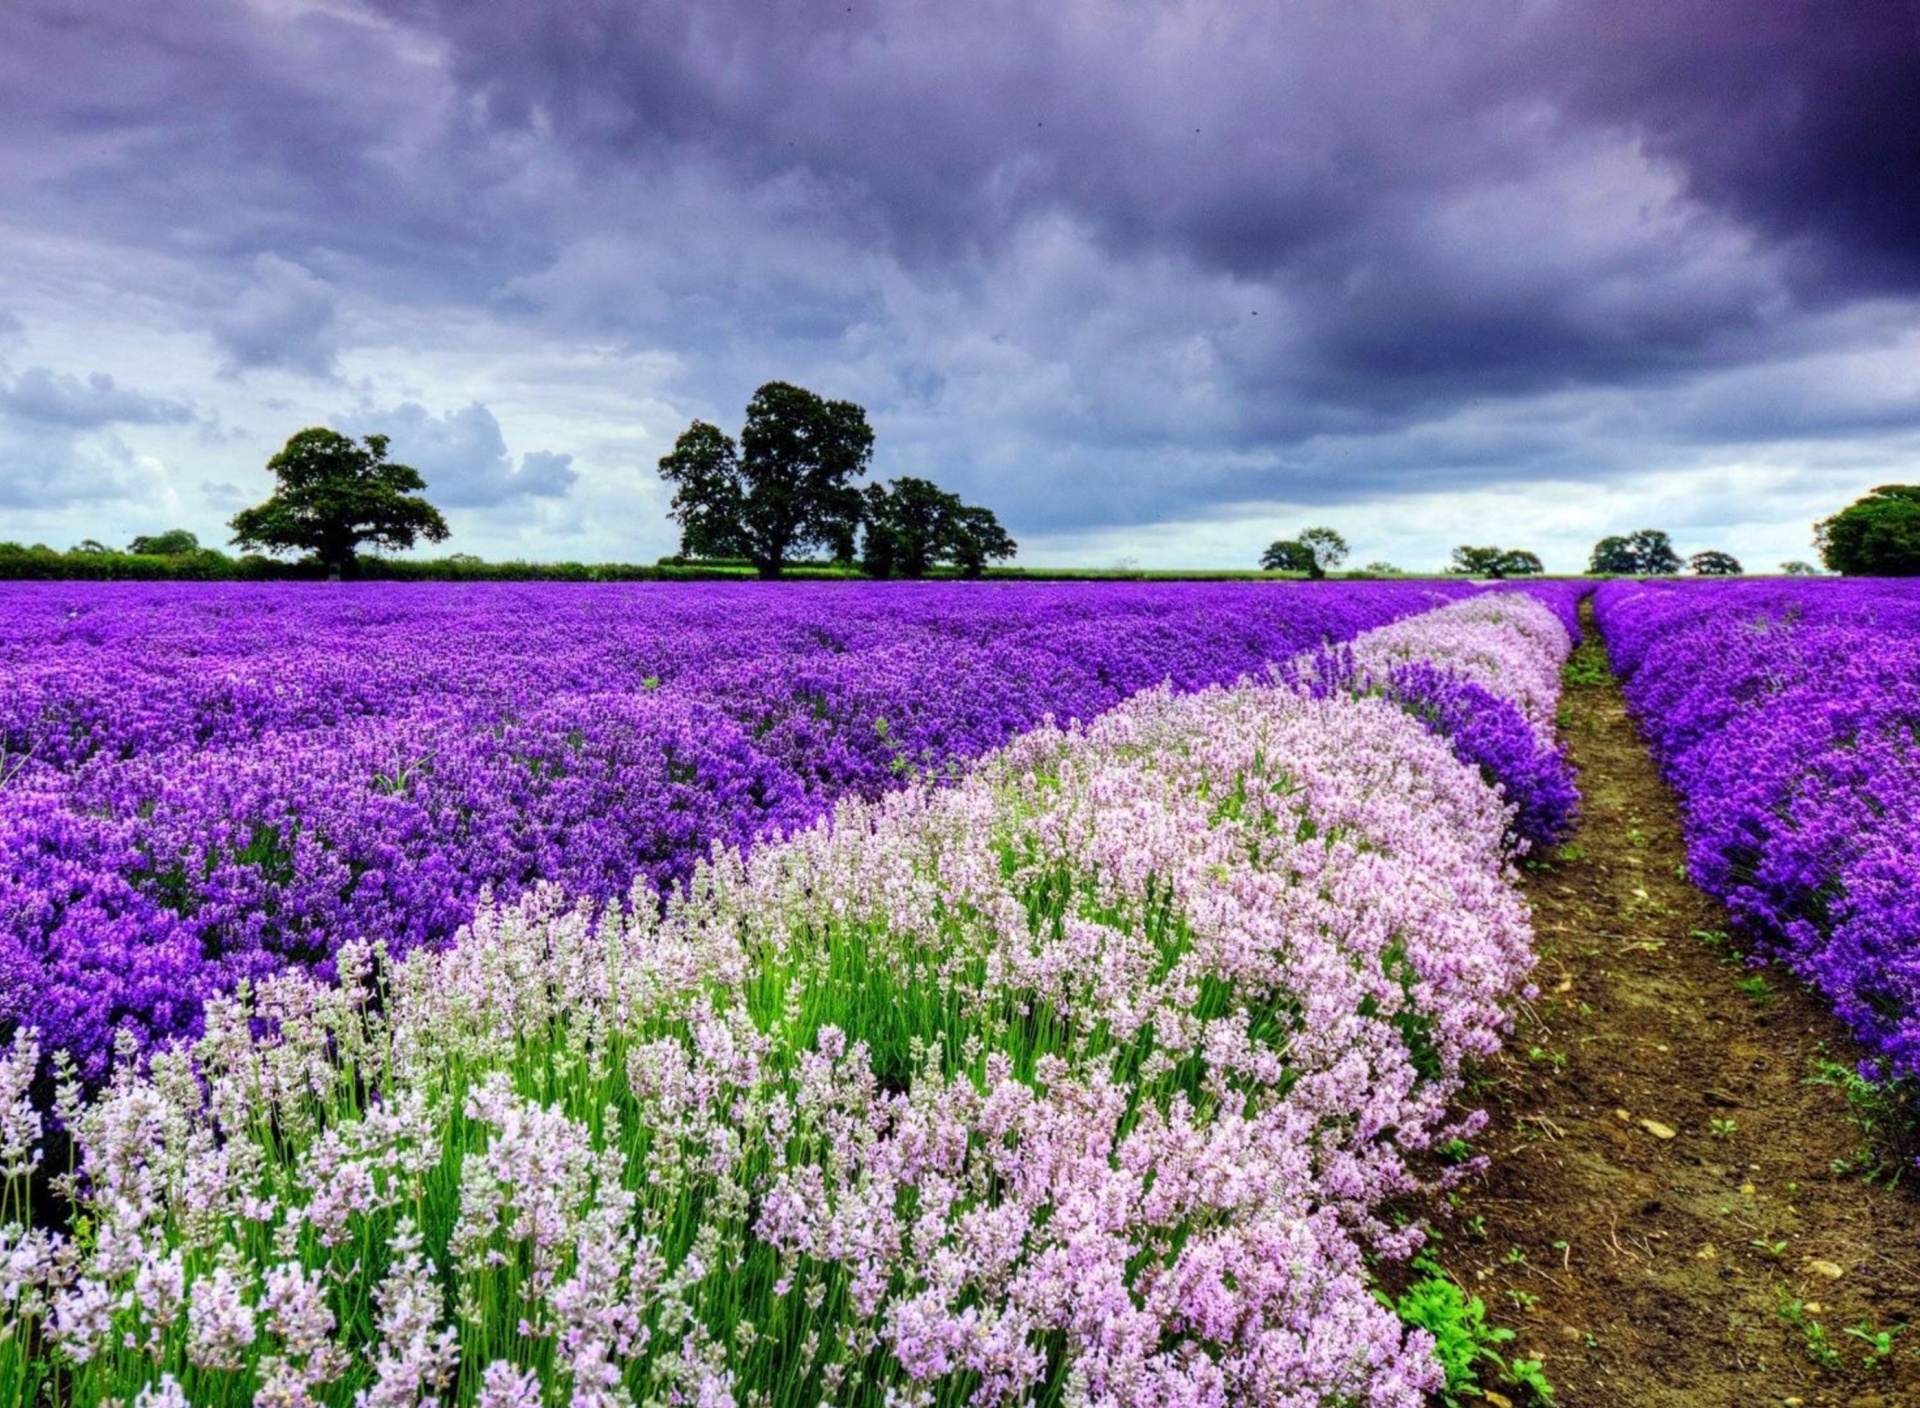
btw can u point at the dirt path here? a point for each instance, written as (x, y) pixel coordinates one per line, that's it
(1663, 1220)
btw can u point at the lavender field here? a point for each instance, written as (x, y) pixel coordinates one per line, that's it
(1787, 715)
(205, 785)
(739, 995)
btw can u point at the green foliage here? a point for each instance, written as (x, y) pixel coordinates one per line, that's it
(44, 564)
(1329, 549)
(1313, 551)
(1713, 563)
(1286, 555)
(784, 488)
(1879, 1342)
(1819, 1347)
(1645, 552)
(334, 496)
(1886, 1112)
(175, 542)
(914, 524)
(1497, 563)
(1464, 1343)
(1587, 665)
(1799, 569)
(1877, 535)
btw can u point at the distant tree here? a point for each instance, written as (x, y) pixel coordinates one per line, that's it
(1329, 549)
(1382, 569)
(1712, 563)
(333, 496)
(91, 546)
(1612, 557)
(1646, 552)
(787, 485)
(979, 539)
(1494, 562)
(1288, 555)
(175, 542)
(1877, 535)
(912, 524)
(1799, 569)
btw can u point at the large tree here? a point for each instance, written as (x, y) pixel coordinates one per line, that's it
(913, 523)
(333, 496)
(1877, 535)
(1646, 552)
(1497, 563)
(1313, 552)
(785, 487)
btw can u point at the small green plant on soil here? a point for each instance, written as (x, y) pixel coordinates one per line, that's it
(1757, 988)
(1723, 1129)
(1820, 1348)
(1587, 665)
(1572, 852)
(1887, 1114)
(1879, 1342)
(1464, 1342)
(1720, 941)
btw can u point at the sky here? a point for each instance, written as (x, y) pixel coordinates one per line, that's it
(1159, 281)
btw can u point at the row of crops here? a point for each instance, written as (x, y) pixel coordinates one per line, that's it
(1057, 1064)
(203, 785)
(1787, 716)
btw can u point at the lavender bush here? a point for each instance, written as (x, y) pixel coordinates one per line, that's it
(204, 784)
(1787, 715)
(1085, 1079)
(1483, 674)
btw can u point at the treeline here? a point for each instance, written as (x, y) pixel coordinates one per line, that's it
(94, 563)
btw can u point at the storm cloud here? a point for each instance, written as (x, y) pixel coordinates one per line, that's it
(1142, 277)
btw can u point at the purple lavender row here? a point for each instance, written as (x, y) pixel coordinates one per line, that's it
(205, 784)
(1787, 715)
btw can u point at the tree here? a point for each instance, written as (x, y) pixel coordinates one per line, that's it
(175, 542)
(915, 523)
(1495, 562)
(333, 496)
(979, 539)
(1329, 550)
(1286, 555)
(1646, 552)
(91, 547)
(1799, 569)
(785, 487)
(1713, 563)
(1382, 569)
(1312, 552)
(1877, 535)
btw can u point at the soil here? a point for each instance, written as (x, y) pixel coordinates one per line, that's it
(1664, 1184)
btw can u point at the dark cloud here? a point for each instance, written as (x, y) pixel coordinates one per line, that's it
(463, 457)
(1800, 116)
(1110, 265)
(40, 396)
(1404, 186)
